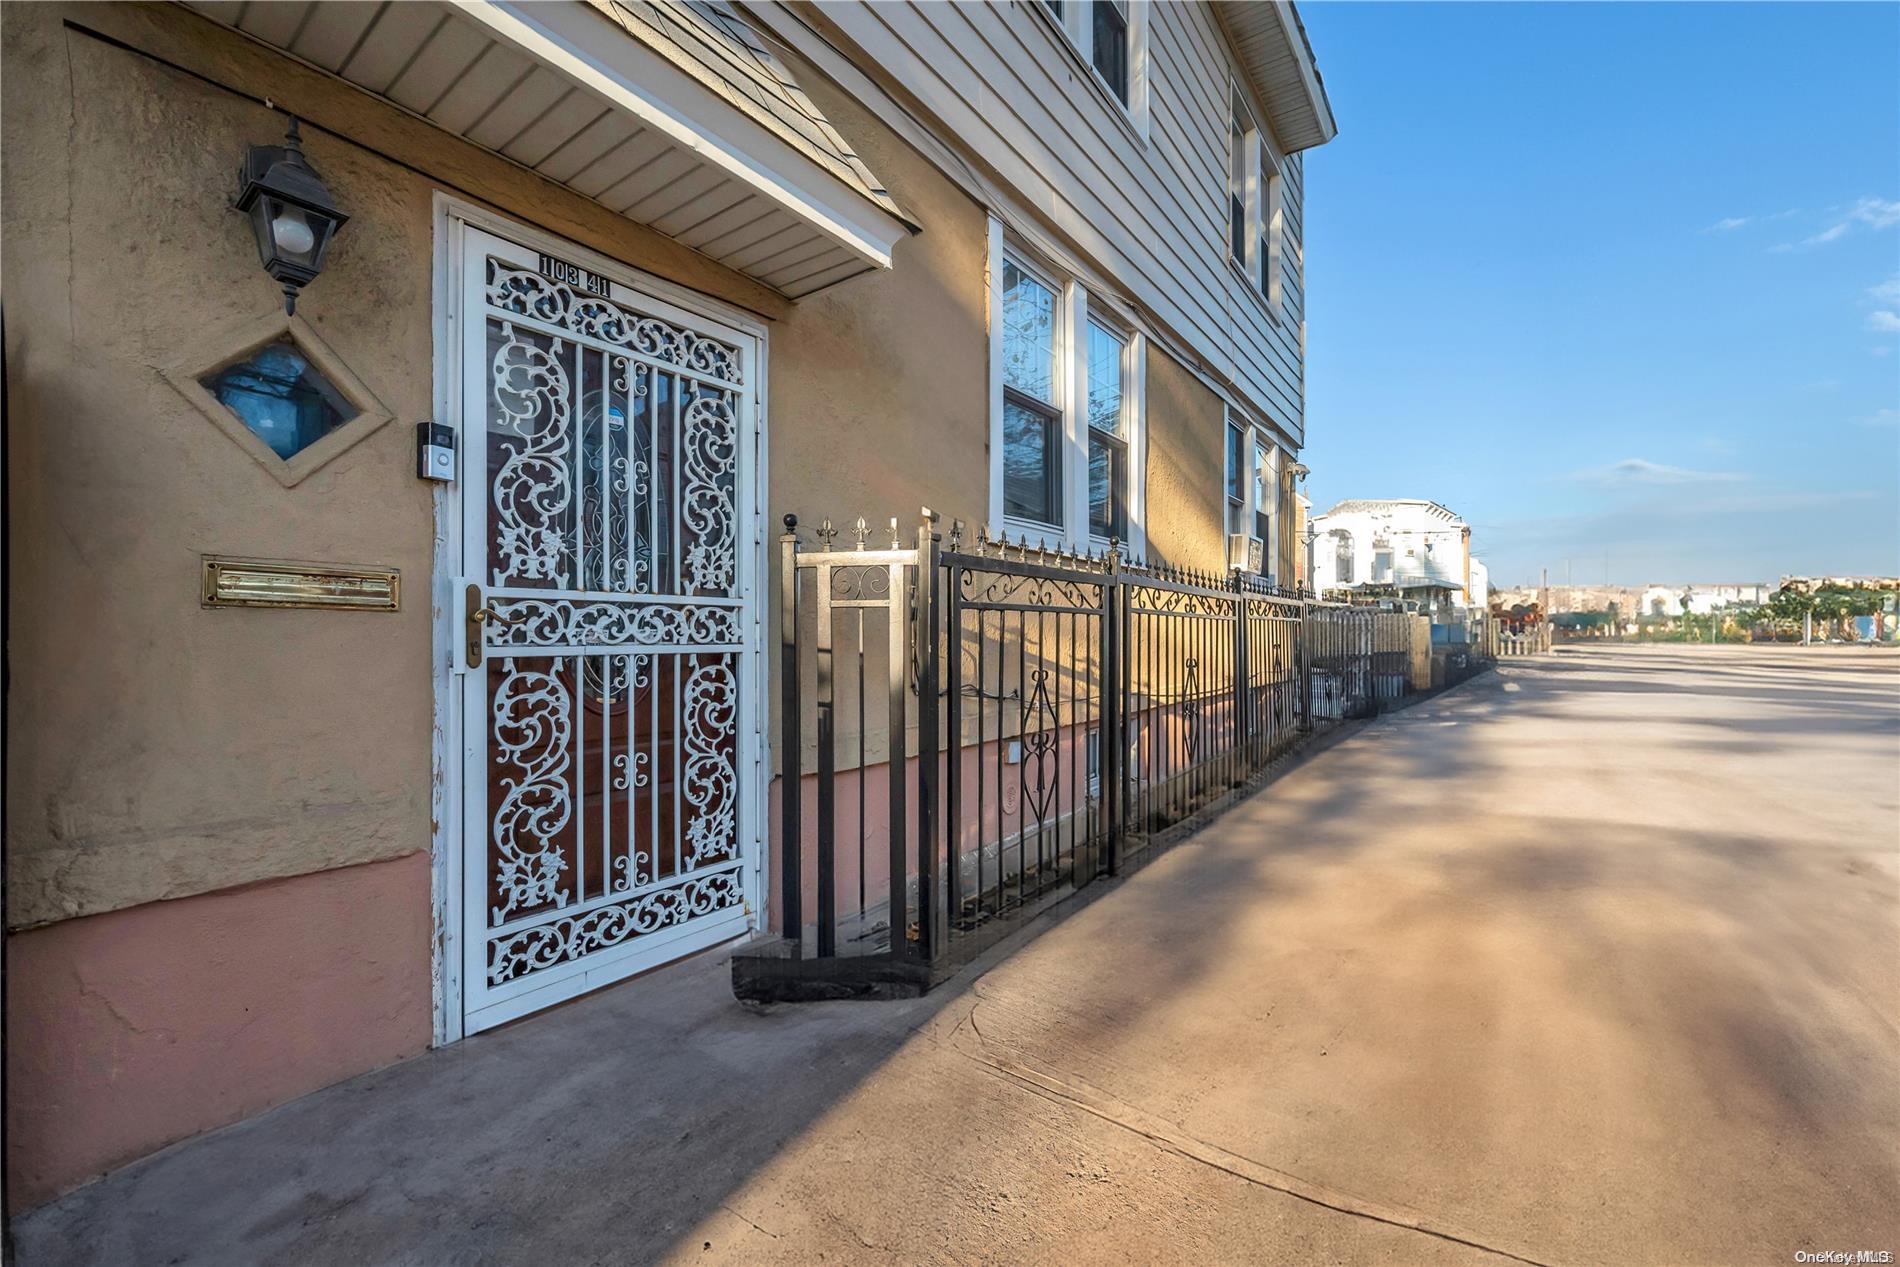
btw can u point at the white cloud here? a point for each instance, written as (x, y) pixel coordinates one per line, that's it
(1728, 224)
(1640, 472)
(1884, 321)
(1882, 418)
(1875, 213)
(1887, 292)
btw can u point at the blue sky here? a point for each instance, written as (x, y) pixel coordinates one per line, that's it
(1620, 283)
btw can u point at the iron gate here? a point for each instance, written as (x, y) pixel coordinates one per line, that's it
(970, 733)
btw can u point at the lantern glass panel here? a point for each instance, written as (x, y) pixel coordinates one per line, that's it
(295, 236)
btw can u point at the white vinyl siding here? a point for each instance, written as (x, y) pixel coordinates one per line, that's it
(1150, 211)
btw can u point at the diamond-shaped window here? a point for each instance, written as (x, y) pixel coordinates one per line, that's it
(285, 401)
(279, 391)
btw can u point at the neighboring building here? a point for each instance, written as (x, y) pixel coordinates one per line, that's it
(1646, 601)
(1571, 598)
(1405, 546)
(1700, 600)
(1809, 584)
(494, 741)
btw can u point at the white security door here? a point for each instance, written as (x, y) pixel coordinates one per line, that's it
(605, 634)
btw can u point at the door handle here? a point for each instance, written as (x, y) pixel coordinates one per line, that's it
(478, 615)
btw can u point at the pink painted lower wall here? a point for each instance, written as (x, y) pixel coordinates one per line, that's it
(130, 1030)
(993, 806)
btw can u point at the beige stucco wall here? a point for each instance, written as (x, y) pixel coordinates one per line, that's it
(1186, 467)
(161, 749)
(880, 390)
(879, 396)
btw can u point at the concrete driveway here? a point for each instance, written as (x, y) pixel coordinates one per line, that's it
(1594, 960)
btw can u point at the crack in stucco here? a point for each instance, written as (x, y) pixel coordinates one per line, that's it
(125, 1021)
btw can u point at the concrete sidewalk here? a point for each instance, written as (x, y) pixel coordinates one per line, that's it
(1594, 960)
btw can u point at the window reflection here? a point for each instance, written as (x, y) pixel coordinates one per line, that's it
(284, 400)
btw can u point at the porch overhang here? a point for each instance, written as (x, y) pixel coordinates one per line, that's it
(656, 114)
(1271, 43)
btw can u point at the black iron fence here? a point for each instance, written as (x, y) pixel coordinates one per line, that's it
(970, 732)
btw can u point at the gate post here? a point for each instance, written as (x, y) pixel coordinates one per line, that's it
(924, 640)
(1308, 629)
(899, 630)
(1243, 695)
(824, 702)
(791, 743)
(952, 672)
(1114, 688)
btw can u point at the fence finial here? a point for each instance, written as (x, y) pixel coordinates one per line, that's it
(826, 533)
(861, 530)
(791, 527)
(956, 535)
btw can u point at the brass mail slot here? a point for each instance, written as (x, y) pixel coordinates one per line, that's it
(232, 582)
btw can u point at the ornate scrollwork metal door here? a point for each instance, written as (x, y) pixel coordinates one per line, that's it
(607, 634)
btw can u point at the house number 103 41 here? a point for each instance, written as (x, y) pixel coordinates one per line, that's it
(574, 275)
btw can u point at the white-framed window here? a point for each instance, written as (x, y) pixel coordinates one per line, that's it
(1252, 486)
(1109, 377)
(1272, 243)
(1342, 557)
(1256, 210)
(1242, 143)
(1111, 36)
(1033, 408)
(1266, 502)
(1108, 45)
(1236, 476)
(1067, 438)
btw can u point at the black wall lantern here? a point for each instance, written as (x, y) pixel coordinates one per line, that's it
(291, 213)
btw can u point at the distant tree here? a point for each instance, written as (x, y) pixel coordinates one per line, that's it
(1838, 606)
(1790, 606)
